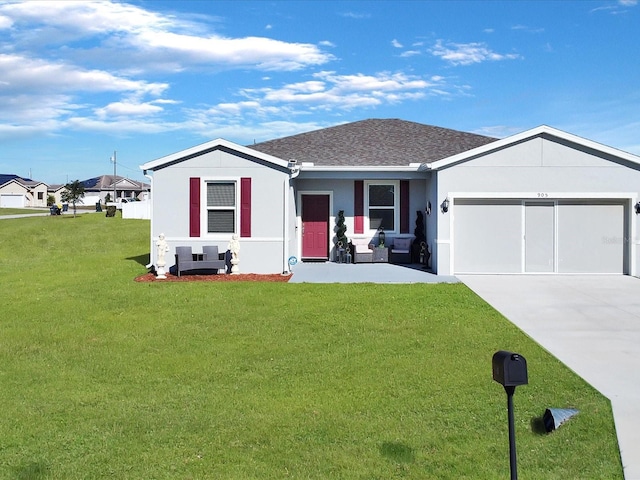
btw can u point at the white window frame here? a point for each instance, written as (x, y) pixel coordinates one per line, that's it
(396, 204)
(205, 208)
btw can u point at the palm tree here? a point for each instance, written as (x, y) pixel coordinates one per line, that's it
(73, 193)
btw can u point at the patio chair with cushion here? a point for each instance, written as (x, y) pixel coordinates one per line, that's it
(362, 250)
(401, 250)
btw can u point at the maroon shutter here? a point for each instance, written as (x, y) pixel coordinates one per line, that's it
(194, 207)
(404, 206)
(245, 207)
(358, 206)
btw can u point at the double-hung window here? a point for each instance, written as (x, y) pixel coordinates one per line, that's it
(221, 206)
(382, 204)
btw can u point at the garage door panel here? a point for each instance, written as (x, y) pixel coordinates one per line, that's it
(539, 250)
(12, 200)
(591, 238)
(487, 236)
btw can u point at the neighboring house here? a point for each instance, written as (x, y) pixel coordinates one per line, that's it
(19, 192)
(56, 190)
(542, 201)
(96, 189)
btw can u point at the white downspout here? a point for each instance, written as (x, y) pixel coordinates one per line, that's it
(293, 173)
(151, 220)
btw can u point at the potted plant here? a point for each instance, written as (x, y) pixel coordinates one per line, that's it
(341, 238)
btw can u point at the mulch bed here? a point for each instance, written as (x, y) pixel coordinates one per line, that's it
(221, 277)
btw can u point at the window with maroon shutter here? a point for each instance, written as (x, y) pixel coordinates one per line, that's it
(194, 207)
(358, 206)
(404, 206)
(245, 207)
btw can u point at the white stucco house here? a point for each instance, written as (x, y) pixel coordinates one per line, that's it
(542, 201)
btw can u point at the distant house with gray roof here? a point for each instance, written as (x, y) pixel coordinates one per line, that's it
(542, 201)
(20, 192)
(110, 186)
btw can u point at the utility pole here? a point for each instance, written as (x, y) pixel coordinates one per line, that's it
(114, 160)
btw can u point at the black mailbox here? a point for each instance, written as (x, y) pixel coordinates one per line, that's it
(509, 369)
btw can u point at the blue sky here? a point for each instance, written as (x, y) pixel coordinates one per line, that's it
(80, 80)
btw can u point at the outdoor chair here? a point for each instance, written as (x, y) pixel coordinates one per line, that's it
(362, 250)
(401, 250)
(212, 256)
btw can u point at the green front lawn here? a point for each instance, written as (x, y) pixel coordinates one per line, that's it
(22, 211)
(103, 377)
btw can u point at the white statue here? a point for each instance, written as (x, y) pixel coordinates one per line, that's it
(234, 248)
(162, 249)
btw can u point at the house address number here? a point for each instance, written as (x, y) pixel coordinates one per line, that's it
(543, 195)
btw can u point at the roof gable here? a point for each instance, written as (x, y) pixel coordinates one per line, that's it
(16, 182)
(218, 144)
(373, 143)
(6, 178)
(541, 131)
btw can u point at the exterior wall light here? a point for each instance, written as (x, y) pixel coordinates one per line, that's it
(445, 205)
(637, 207)
(428, 208)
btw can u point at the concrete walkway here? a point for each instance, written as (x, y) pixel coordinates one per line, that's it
(331, 272)
(591, 324)
(36, 213)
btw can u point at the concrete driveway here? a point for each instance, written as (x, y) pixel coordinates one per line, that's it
(592, 324)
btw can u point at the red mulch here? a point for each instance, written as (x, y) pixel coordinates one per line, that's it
(221, 277)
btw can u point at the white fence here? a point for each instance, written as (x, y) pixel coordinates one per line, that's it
(137, 210)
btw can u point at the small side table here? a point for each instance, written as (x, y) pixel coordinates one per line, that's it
(380, 255)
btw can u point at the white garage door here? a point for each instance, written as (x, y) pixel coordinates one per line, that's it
(8, 200)
(563, 236)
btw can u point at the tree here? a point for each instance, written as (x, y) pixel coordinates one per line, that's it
(73, 193)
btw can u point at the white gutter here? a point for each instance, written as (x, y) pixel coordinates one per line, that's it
(414, 167)
(150, 264)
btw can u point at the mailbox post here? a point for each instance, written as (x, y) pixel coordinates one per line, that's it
(510, 370)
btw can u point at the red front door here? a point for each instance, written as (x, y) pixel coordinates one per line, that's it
(315, 226)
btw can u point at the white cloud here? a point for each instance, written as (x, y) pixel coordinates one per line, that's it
(256, 52)
(5, 22)
(153, 40)
(468, 53)
(396, 43)
(357, 16)
(410, 53)
(527, 29)
(498, 131)
(619, 8)
(22, 74)
(330, 91)
(39, 93)
(35, 108)
(127, 109)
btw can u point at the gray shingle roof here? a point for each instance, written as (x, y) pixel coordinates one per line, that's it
(373, 142)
